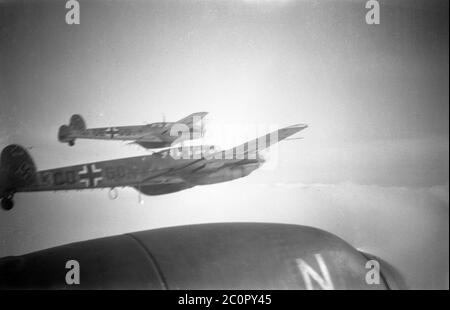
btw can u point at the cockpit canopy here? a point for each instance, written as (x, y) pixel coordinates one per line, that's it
(190, 152)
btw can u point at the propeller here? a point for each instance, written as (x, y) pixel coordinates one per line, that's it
(140, 200)
(113, 193)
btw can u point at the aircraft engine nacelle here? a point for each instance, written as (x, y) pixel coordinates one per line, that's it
(161, 189)
(226, 174)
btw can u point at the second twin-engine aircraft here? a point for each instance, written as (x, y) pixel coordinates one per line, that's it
(163, 172)
(155, 135)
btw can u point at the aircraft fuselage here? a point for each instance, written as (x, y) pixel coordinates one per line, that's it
(134, 171)
(126, 132)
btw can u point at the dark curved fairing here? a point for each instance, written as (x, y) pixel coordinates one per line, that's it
(77, 122)
(209, 256)
(161, 189)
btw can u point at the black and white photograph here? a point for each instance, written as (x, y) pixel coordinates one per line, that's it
(224, 145)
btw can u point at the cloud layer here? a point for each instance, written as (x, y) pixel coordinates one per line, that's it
(408, 227)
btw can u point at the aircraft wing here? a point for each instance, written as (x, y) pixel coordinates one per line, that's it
(193, 118)
(173, 175)
(251, 148)
(149, 140)
(149, 137)
(226, 158)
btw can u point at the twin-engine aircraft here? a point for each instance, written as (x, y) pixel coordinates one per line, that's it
(162, 172)
(151, 136)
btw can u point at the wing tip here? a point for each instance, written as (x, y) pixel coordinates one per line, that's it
(201, 114)
(298, 126)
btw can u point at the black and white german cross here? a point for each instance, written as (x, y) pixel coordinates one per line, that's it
(112, 131)
(90, 175)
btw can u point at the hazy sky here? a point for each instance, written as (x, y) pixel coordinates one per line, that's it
(372, 166)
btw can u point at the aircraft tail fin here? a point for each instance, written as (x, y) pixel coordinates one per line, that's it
(193, 118)
(17, 169)
(65, 131)
(77, 122)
